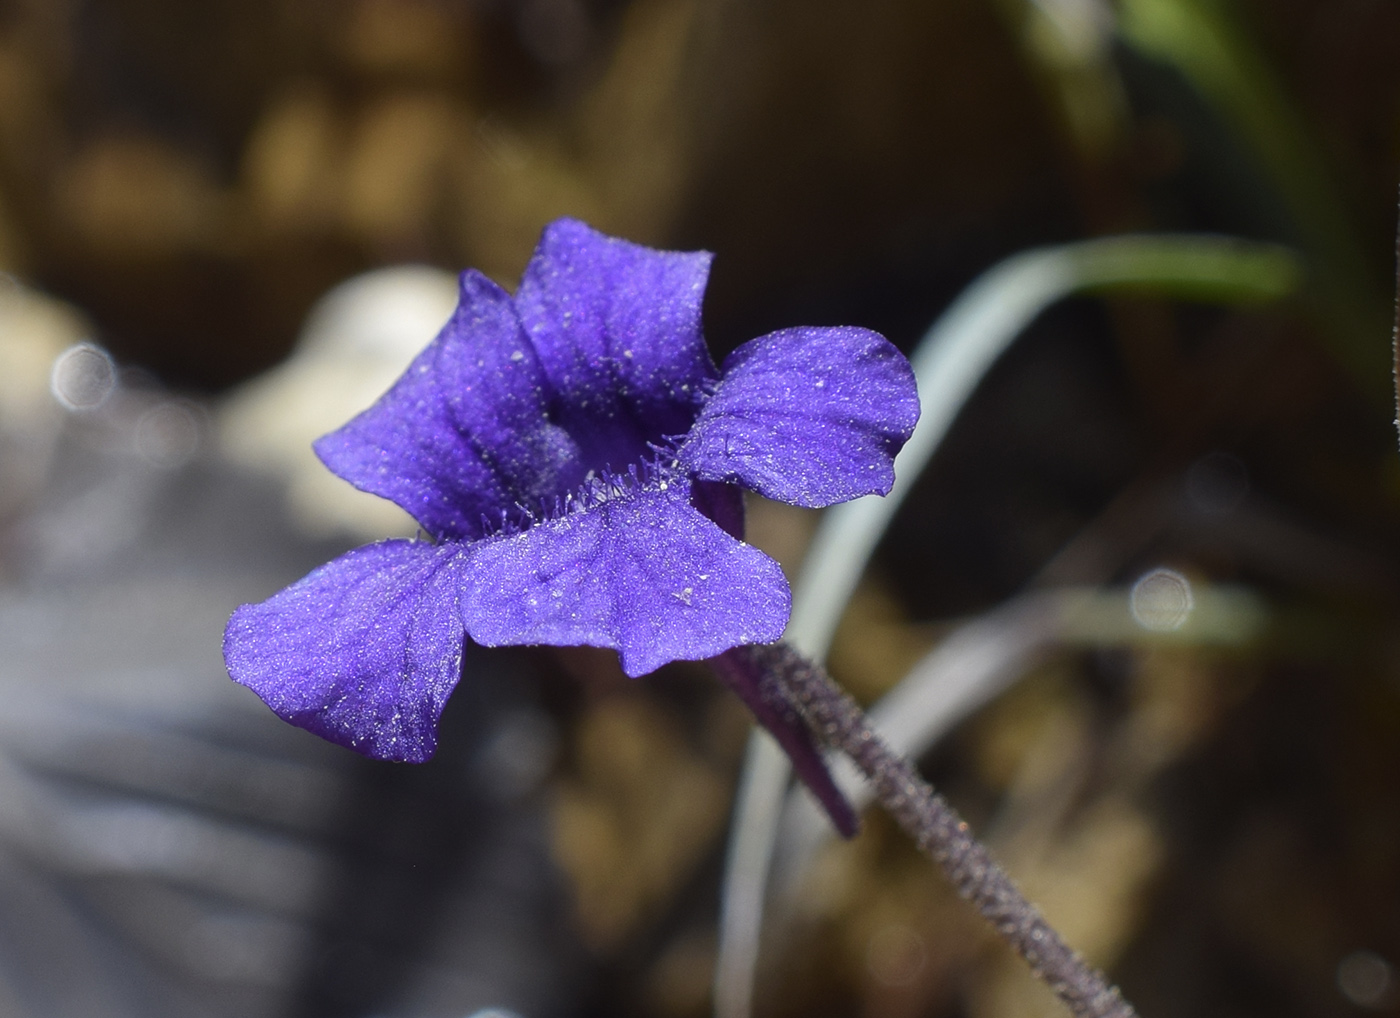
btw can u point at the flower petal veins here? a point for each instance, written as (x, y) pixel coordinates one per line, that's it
(362, 651)
(810, 417)
(463, 436)
(617, 328)
(643, 573)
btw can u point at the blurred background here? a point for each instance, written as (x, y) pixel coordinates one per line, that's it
(1211, 811)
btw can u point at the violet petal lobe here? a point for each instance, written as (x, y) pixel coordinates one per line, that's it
(362, 651)
(642, 572)
(462, 437)
(617, 327)
(808, 416)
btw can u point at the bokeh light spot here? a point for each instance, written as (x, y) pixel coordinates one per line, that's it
(1365, 978)
(83, 376)
(1161, 600)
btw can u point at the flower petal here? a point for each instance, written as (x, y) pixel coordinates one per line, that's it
(642, 572)
(808, 416)
(362, 651)
(617, 327)
(463, 434)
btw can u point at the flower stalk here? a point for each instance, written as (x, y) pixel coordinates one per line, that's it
(939, 831)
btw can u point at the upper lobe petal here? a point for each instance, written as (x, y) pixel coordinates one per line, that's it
(643, 572)
(362, 651)
(463, 434)
(617, 328)
(808, 416)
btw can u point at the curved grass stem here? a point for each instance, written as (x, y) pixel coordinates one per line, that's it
(949, 363)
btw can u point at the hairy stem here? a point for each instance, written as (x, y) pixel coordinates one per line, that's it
(940, 833)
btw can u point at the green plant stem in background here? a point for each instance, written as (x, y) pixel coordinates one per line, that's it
(1202, 41)
(949, 362)
(941, 834)
(969, 338)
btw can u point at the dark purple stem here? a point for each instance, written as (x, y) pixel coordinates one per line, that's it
(940, 832)
(762, 691)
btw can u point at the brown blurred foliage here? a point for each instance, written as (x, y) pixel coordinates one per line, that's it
(195, 175)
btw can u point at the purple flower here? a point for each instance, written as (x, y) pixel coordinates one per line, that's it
(577, 459)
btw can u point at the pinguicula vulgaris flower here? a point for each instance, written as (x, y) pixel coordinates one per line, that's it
(577, 461)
